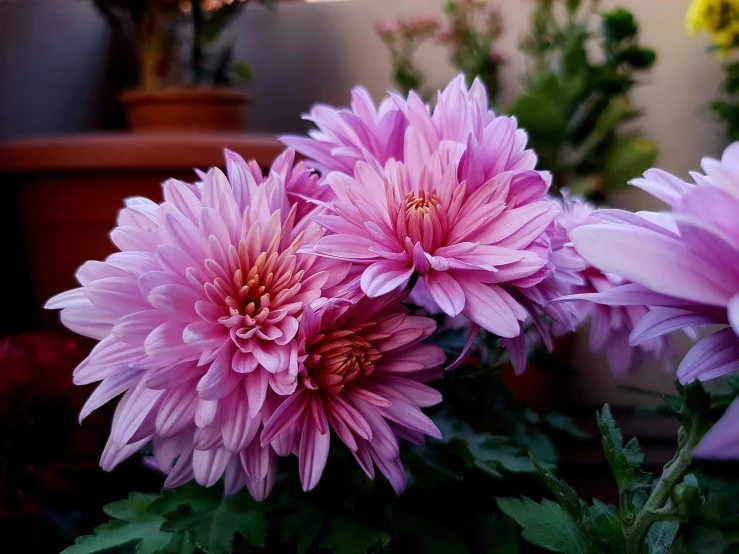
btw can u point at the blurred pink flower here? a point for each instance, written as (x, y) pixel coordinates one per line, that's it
(197, 318)
(610, 326)
(455, 199)
(387, 29)
(361, 367)
(424, 25)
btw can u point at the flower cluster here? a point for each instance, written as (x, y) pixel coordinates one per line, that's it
(212, 315)
(450, 195)
(252, 316)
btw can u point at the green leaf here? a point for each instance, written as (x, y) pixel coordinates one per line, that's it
(625, 462)
(606, 523)
(305, 525)
(489, 453)
(628, 158)
(637, 57)
(214, 530)
(686, 498)
(441, 459)
(573, 6)
(564, 423)
(565, 494)
(243, 71)
(546, 525)
(661, 536)
(135, 521)
(542, 110)
(347, 536)
(618, 25)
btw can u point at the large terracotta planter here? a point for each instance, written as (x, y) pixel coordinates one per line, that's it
(186, 109)
(67, 192)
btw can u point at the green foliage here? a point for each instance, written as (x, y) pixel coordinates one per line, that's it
(213, 525)
(138, 521)
(346, 536)
(574, 107)
(661, 536)
(625, 462)
(545, 524)
(447, 509)
(652, 514)
(726, 109)
(627, 158)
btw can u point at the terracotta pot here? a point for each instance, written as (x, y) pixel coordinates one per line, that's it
(186, 109)
(66, 192)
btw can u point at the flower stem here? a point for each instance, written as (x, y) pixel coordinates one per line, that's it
(688, 438)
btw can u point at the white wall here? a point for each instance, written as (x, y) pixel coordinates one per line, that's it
(55, 68)
(306, 53)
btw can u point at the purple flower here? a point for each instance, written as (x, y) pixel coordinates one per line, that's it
(451, 195)
(684, 264)
(610, 326)
(198, 317)
(361, 367)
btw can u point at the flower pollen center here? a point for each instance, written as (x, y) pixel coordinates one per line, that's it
(336, 358)
(425, 219)
(258, 297)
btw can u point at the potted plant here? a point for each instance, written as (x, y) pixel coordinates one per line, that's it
(186, 67)
(469, 30)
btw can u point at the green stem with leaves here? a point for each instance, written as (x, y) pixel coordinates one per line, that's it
(672, 475)
(694, 427)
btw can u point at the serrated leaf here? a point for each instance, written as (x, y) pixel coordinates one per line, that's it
(624, 461)
(606, 522)
(178, 544)
(347, 536)
(118, 533)
(503, 456)
(565, 494)
(214, 530)
(546, 525)
(563, 423)
(135, 521)
(136, 507)
(661, 536)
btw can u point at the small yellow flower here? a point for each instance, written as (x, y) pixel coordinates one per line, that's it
(720, 18)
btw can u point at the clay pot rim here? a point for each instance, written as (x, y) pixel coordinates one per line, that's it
(184, 94)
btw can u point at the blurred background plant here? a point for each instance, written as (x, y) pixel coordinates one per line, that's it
(180, 41)
(720, 18)
(469, 32)
(575, 106)
(403, 37)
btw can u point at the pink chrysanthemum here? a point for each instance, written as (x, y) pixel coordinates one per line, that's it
(361, 368)
(686, 265)
(197, 318)
(610, 326)
(451, 195)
